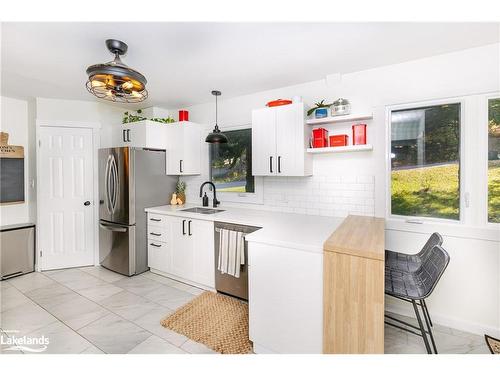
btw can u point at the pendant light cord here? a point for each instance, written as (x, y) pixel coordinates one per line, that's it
(216, 111)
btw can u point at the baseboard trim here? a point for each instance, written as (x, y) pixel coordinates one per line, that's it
(447, 321)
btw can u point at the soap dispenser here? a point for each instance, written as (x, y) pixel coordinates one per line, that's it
(205, 200)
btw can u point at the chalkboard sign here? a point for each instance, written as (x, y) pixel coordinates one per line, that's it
(11, 180)
(11, 172)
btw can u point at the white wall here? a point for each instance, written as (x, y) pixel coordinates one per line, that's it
(61, 110)
(468, 296)
(16, 122)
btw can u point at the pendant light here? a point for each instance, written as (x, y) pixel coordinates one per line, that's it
(114, 80)
(216, 136)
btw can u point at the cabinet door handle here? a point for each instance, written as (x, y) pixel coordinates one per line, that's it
(155, 234)
(189, 227)
(123, 133)
(153, 219)
(270, 164)
(155, 245)
(183, 227)
(279, 164)
(180, 166)
(128, 135)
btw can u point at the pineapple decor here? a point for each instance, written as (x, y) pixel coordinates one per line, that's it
(180, 190)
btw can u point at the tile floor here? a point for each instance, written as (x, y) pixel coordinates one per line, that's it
(93, 310)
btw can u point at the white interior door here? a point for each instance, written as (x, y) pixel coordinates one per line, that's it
(66, 199)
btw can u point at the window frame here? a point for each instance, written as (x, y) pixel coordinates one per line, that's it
(462, 162)
(484, 140)
(256, 197)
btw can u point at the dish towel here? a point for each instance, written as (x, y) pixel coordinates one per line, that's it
(231, 252)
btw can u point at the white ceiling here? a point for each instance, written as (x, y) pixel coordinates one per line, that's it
(183, 62)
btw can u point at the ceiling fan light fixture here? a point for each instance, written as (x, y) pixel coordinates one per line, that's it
(114, 80)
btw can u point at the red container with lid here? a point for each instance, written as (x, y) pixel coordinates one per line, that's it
(183, 115)
(359, 134)
(319, 138)
(339, 140)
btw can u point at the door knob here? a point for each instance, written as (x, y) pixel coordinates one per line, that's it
(86, 203)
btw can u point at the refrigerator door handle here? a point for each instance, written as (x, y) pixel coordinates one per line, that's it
(114, 176)
(113, 228)
(107, 185)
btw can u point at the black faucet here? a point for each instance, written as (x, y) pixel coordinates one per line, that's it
(215, 201)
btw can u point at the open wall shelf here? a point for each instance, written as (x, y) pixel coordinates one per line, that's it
(337, 119)
(324, 150)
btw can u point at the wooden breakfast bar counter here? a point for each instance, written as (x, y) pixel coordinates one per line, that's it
(353, 287)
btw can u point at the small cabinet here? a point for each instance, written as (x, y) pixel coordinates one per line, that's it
(279, 142)
(182, 247)
(183, 148)
(159, 243)
(145, 134)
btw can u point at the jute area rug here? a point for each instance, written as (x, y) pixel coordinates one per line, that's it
(218, 321)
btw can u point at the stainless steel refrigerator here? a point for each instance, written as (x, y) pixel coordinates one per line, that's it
(130, 179)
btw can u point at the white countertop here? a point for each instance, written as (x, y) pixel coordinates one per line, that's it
(302, 232)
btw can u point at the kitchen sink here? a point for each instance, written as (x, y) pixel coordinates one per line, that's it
(202, 210)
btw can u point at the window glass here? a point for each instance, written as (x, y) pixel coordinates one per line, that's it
(494, 160)
(425, 161)
(231, 163)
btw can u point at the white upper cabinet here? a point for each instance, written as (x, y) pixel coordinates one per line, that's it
(145, 134)
(279, 142)
(181, 141)
(183, 148)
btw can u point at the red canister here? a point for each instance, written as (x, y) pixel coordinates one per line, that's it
(338, 140)
(359, 134)
(319, 138)
(183, 115)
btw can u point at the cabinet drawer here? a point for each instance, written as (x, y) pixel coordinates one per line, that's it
(157, 233)
(156, 220)
(158, 256)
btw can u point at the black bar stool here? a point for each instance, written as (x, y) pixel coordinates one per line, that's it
(411, 262)
(414, 287)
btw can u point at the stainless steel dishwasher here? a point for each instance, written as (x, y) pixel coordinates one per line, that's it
(234, 286)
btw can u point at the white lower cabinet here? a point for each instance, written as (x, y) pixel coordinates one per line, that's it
(203, 244)
(285, 299)
(182, 248)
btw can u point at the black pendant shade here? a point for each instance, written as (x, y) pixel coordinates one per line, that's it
(114, 80)
(216, 136)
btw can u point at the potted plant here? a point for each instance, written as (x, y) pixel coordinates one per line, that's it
(180, 190)
(130, 117)
(165, 120)
(320, 109)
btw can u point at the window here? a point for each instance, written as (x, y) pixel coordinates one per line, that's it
(231, 163)
(494, 160)
(425, 161)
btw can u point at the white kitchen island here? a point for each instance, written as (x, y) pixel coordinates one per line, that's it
(285, 266)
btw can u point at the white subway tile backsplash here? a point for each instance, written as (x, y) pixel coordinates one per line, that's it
(348, 179)
(320, 194)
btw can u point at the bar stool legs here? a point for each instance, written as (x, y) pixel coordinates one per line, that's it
(428, 322)
(424, 305)
(421, 325)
